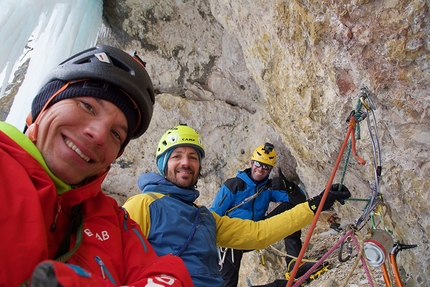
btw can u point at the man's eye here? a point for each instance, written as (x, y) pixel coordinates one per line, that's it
(88, 106)
(117, 135)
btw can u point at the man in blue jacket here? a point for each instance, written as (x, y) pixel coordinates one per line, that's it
(248, 196)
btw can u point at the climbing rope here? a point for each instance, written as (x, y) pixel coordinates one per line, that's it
(276, 252)
(353, 133)
(375, 206)
(359, 244)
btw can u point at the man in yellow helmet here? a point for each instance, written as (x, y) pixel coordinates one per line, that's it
(247, 196)
(174, 224)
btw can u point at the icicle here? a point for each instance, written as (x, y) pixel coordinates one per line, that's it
(60, 29)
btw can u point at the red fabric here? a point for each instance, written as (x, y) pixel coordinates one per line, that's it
(28, 205)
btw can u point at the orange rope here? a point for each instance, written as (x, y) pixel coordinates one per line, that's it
(351, 129)
(385, 274)
(396, 272)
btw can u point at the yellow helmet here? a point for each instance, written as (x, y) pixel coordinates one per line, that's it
(181, 135)
(265, 154)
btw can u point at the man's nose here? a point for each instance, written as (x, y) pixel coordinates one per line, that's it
(97, 131)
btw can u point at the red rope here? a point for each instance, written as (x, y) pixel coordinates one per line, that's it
(351, 129)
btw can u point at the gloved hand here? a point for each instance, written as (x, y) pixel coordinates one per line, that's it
(292, 189)
(281, 183)
(277, 183)
(334, 194)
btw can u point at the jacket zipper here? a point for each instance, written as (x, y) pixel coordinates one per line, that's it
(142, 241)
(104, 271)
(253, 202)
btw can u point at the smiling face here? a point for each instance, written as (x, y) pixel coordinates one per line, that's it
(183, 167)
(80, 137)
(258, 173)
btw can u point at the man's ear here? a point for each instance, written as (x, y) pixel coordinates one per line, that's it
(31, 131)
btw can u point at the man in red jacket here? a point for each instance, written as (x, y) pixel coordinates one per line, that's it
(59, 228)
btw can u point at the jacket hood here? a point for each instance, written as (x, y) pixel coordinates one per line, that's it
(153, 182)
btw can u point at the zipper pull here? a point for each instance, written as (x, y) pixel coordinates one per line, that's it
(54, 224)
(101, 264)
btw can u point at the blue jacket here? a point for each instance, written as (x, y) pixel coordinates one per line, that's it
(200, 255)
(239, 189)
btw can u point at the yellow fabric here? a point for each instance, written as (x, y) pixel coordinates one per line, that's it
(247, 234)
(31, 148)
(233, 232)
(139, 209)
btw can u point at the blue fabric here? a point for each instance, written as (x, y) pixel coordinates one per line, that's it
(254, 209)
(162, 161)
(81, 272)
(172, 218)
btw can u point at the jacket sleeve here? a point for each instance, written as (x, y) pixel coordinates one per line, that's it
(143, 267)
(247, 234)
(223, 200)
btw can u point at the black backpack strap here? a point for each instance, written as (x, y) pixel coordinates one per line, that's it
(76, 226)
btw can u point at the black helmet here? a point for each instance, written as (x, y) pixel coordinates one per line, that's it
(111, 65)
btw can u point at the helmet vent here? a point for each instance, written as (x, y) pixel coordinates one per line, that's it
(102, 57)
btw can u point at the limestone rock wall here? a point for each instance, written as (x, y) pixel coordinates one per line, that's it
(289, 72)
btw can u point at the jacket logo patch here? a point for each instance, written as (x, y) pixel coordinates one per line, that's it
(102, 237)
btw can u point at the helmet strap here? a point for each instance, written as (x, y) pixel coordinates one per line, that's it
(33, 128)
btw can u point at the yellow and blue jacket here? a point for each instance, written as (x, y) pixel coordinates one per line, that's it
(166, 214)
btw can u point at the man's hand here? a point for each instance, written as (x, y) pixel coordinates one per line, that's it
(277, 183)
(292, 189)
(280, 183)
(333, 195)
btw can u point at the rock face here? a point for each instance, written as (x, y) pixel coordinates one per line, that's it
(290, 72)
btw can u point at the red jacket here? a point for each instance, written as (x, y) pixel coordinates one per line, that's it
(113, 249)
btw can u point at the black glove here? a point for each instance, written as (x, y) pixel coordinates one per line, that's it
(334, 194)
(279, 183)
(293, 190)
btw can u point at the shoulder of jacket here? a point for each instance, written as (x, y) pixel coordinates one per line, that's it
(235, 184)
(153, 195)
(143, 199)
